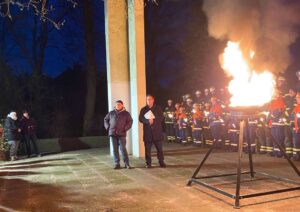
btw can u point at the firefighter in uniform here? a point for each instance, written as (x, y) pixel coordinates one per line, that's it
(277, 122)
(198, 97)
(216, 122)
(188, 111)
(197, 121)
(169, 114)
(206, 97)
(207, 139)
(296, 130)
(176, 118)
(290, 103)
(183, 124)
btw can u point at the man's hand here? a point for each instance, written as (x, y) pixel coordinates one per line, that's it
(19, 130)
(151, 121)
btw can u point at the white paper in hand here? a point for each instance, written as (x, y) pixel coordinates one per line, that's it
(149, 115)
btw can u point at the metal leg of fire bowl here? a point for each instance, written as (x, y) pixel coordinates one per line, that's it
(201, 164)
(239, 166)
(286, 156)
(249, 149)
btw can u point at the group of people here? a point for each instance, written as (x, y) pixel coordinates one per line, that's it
(20, 130)
(208, 120)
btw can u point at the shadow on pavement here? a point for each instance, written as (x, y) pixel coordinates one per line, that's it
(22, 195)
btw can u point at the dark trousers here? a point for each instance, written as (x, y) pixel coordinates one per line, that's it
(170, 132)
(288, 138)
(296, 147)
(159, 149)
(31, 139)
(217, 134)
(197, 136)
(120, 142)
(278, 134)
(262, 139)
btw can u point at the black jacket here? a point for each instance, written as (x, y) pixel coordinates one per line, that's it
(118, 122)
(11, 132)
(28, 126)
(152, 132)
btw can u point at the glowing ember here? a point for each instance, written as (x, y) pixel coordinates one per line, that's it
(248, 88)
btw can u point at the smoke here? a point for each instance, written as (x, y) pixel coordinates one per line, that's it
(268, 27)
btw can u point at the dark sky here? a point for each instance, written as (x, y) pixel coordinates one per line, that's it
(66, 47)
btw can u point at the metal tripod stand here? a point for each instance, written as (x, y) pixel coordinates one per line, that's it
(237, 196)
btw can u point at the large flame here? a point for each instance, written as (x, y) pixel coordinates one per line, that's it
(248, 88)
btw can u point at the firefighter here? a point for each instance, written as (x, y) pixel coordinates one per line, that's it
(198, 97)
(212, 91)
(281, 85)
(290, 103)
(197, 120)
(216, 122)
(207, 139)
(169, 113)
(183, 124)
(206, 97)
(296, 130)
(189, 106)
(176, 118)
(277, 122)
(183, 103)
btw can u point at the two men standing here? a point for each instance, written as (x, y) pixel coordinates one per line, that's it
(119, 121)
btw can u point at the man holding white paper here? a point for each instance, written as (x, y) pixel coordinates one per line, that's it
(151, 116)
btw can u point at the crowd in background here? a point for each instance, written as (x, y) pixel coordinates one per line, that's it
(207, 119)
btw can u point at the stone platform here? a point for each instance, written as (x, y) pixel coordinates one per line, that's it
(85, 181)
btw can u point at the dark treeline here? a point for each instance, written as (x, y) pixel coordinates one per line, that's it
(58, 75)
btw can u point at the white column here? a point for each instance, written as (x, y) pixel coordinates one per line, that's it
(136, 42)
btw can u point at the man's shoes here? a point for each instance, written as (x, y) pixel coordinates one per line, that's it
(163, 165)
(148, 166)
(128, 166)
(38, 155)
(117, 166)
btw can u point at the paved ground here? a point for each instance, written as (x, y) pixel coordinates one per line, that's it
(84, 181)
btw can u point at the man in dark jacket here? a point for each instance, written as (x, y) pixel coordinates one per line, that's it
(118, 122)
(28, 129)
(151, 116)
(12, 134)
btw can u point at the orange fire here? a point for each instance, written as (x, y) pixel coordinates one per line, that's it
(248, 88)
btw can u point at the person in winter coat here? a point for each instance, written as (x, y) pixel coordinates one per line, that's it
(151, 116)
(12, 134)
(28, 132)
(117, 122)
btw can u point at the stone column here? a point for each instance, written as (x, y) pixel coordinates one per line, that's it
(136, 37)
